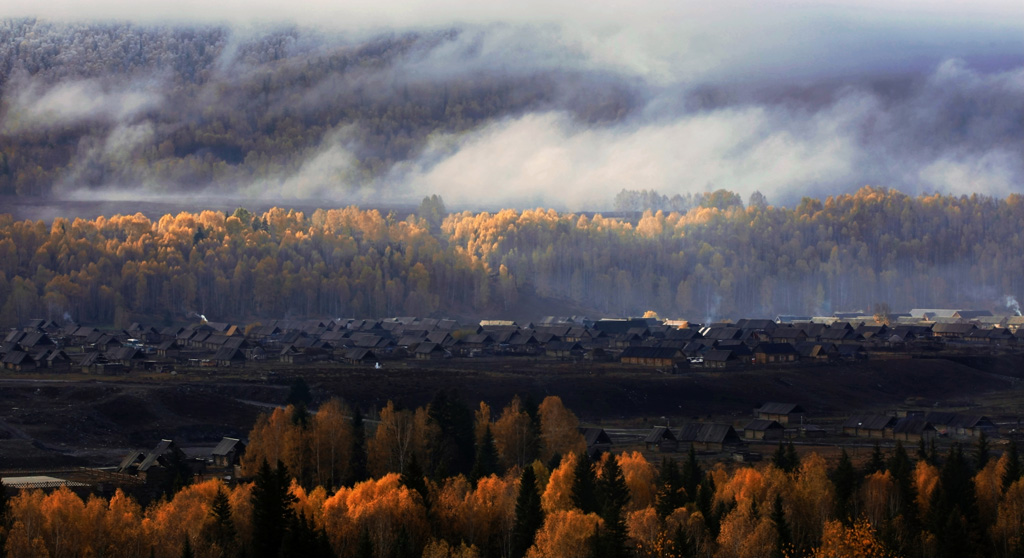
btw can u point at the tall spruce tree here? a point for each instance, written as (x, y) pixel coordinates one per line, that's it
(271, 509)
(613, 495)
(221, 531)
(1013, 470)
(584, 485)
(453, 448)
(486, 462)
(357, 467)
(691, 476)
(669, 495)
(981, 450)
(844, 479)
(877, 462)
(783, 534)
(529, 514)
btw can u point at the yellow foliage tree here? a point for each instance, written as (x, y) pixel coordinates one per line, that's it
(857, 541)
(559, 429)
(565, 534)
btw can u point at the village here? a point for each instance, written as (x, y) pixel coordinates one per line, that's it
(642, 345)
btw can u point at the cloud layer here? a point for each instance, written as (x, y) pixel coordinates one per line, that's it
(793, 98)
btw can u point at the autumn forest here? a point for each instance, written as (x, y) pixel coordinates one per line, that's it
(448, 481)
(722, 258)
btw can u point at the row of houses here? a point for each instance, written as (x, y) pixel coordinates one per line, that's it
(634, 341)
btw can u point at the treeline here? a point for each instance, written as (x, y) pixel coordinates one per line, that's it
(214, 108)
(422, 496)
(849, 252)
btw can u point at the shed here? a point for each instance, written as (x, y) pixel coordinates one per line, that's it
(662, 439)
(763, 429)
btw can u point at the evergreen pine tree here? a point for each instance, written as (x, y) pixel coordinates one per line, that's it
(414, 479)
(844, 478)
(1013, 466)
(529, 514)
(486, 462)
(186, 549)
(877, 462)
(902, 471)
(779, 458)
(613, 495)
(453, 448)
(692, 475)
(670, 483)
(271, 509)
(792, 459)
(783, 534)
(221, 530)
(952, 510)
(922, 451)
(981, 452)
(357, 466)
(584, 485)
(705, 504)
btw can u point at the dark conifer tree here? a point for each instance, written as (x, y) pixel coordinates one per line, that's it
(783, 534)
(779, 457)
(357, 467)
(952, 510)
(414, 479)
(271, 509)
(922, 451)
(529, 514)
(453, 450)
(1013, 466)
(613, 495)
(584, 485)
(705, 504)
(905, 513)
(186, 549)
(845, 480)
(302, 539)
(981, 452)
(221, 530)
(486, 462)
(792, 459)
(692, 475)
(877, 462)
(669, 496)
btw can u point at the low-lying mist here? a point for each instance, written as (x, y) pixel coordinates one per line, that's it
(500, 108)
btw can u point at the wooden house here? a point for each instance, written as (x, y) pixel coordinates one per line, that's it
(783, 413)
(708, 436)
(662, 439)
(775, 353)
(228, 452)
(658, 357)
(762, 429)
(598, 441)
(868, 425)
(913, 429)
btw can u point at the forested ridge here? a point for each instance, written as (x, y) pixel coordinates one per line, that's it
(844, 253)
(218, 109)
(446, 480)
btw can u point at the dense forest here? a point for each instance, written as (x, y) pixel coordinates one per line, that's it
(719, 259)
(447, 481)
(207, 107)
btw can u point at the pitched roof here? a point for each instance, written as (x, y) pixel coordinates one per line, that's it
(226, 445)
(594, 435)
(775, 408)
(658, 434)
(707, 432)
(869, 421)
(763, 424)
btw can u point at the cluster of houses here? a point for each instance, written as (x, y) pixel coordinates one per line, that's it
(634, 341)
(776, 421)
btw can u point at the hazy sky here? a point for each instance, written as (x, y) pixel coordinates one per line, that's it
(767, 127)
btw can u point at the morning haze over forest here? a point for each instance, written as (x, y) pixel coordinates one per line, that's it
(754, 134)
